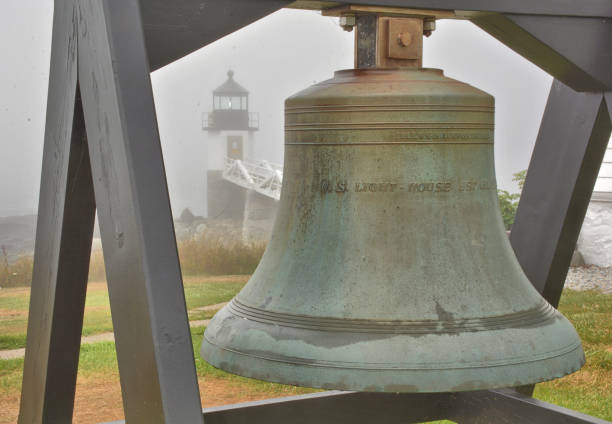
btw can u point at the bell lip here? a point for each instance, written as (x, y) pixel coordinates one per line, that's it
(568, 350)
(413, 381)
(238, 353)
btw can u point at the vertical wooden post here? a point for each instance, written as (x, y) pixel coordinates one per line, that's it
(63, 240)
(154, 349)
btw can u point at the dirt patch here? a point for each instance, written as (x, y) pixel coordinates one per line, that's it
(217, 392)
(14, 291)
(98, 399)
(96, 286)
(13, 313)
(9, 408)
(97, 308)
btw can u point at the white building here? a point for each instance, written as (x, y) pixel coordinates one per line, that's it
(595, 241)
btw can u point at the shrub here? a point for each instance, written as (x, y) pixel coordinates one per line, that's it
(508, 202)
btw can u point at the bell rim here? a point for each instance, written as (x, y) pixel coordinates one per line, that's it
(251, 349)
(276, 329)
(565, 351)
(393, 380)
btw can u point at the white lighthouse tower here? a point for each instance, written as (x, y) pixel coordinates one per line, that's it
(230, 126)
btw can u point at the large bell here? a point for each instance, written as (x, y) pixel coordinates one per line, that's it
(389, 268)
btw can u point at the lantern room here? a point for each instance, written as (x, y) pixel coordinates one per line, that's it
(230, 108)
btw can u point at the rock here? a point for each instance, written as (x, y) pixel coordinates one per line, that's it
(590, 277)
(595, 241)
(577, 259)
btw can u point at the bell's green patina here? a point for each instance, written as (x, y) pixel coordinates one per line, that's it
(389, 268)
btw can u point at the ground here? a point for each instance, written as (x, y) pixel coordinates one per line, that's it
(98, 396)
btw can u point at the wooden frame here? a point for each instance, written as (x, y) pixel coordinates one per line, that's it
(102, 151)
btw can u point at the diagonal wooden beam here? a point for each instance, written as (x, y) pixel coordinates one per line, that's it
(176, 28)
(63, 240)
(154, 349)
(591, 8)
(572, 49)
(568, 42)
(510, 407)
(608, 97)
(564, 165)
(480, 407)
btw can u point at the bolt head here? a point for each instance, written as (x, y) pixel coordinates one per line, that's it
(347, 22)
(404, 39)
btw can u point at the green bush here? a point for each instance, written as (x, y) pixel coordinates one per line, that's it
(508, 202)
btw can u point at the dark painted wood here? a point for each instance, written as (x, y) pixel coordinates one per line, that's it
(510, 407)
(573, 50)
(608, 98)
(593, 8)
(63, 241)
(564, 165)
(577, 55)
(176, 28)
(154, 349)
(482, 407)
(335, 408)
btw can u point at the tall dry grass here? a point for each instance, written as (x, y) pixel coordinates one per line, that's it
(215, 256)
(96, 266)
(202, 255)
(17, 273)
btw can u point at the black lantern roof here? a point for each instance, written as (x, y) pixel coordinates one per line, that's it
(230, 87)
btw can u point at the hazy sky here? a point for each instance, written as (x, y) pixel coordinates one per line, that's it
(273, 58)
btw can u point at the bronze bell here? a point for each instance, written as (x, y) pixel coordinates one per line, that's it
(389, 268)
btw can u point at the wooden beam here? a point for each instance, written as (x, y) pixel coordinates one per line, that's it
(63, 240)
(154, 349)
(174, 29)
(564, 165)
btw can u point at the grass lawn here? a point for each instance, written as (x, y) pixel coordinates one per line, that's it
(98, 393)
(590, 389)
(199, 291)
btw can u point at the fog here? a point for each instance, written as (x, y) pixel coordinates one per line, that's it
(273, 58)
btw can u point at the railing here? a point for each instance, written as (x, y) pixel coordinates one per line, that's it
(253, 120)
(208, 120)
(261, 176)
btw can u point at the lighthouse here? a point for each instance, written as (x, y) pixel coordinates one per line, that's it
(230, 127)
